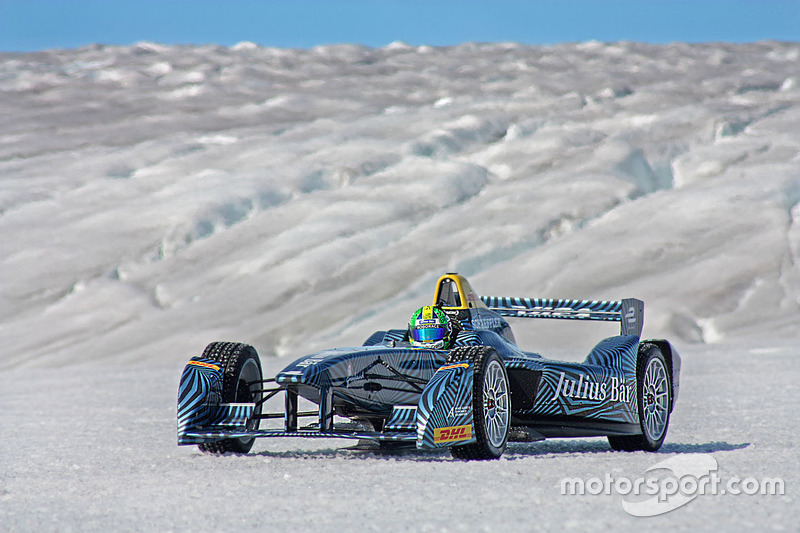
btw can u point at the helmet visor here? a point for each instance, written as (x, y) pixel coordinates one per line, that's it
(428, 334)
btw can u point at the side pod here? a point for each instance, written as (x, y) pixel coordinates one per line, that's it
(444, 412)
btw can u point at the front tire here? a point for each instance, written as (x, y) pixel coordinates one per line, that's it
(491, 406)
(241, 383)
(653, 397)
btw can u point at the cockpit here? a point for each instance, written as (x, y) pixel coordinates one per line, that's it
(454, 292)
(448, 294)
(456, 297)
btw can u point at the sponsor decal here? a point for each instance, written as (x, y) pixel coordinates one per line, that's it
(312, 360)
(458, 411)
(487, 323)
(456, 365)
(555, 312)
(452, 434)
(615, 390)
(205, 365)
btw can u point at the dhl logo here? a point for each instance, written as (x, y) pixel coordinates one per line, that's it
(206, 365)
(452, 434)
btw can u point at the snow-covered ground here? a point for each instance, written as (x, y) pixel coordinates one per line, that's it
(154, 199)
(92, 448)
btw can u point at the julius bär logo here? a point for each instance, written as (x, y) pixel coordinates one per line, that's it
(452, 434)
(616, 390)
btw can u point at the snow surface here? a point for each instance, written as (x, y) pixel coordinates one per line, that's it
(156, 198)
(92, 448)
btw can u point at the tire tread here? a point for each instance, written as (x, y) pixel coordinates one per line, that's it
(230, 356)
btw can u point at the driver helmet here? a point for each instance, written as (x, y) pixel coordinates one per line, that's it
(429, 327)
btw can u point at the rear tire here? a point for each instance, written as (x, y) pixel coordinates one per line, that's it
(653, 396)
(241, 382)
(491, 404)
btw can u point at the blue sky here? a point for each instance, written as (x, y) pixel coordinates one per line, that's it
(27, 25)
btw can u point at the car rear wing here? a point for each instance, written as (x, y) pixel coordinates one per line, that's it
(629, 312)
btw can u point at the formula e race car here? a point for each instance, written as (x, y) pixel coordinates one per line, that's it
(473, 397)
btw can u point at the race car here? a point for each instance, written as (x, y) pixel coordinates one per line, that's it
(472, 395)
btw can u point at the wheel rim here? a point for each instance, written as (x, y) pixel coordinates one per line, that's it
(655, 399)
(248, 383)
(495, 404)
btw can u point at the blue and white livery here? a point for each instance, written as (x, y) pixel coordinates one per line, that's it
(472, 398)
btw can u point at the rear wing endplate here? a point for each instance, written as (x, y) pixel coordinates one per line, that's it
(629, 312)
